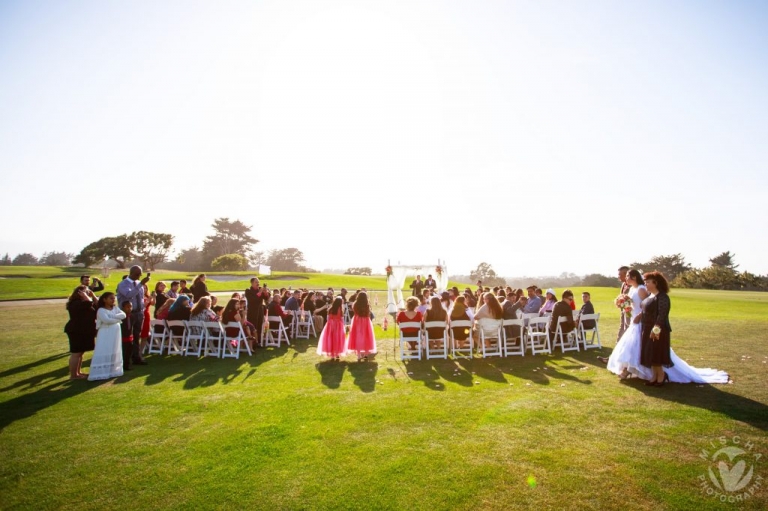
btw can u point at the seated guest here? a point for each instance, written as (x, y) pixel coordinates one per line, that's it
(491, 309)
(459, 312)
(510, 308)
(470, 300)
(231, 314)
(534, 302)
(549, 304)
(179, 311)
(445, 300)
(202, 312)
(562, 309)
(199, 289)
(174, 291)
(98, 285)
(284, 297)
(423, 305)
(436, 312)
(343, 294)
(184, 290)
(275, 309)
(249, 329)
(160, 296)
(410, 314)
(587, 308)
(294, 302)
(321, 307)
(219, 310)
(162, 312)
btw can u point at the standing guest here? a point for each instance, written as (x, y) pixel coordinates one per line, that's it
(148, 301)
(131, 290)
(534, 302)
(430, 283)
(98, 285)
(199, 289)
(361, 338)
(159, 296)
(81, 328)
(562, 309)
(162, 313)
(417, 286)
(126, 332)
(624, 324)
(332, 340)
(411, 315)
(343, 294)
(459, 312)
(655, 348)
(180, 311)
(184, 290)
(587, 308)
(107, 361)
(258, 297)
(174, 291)
(549, 304)
(436, 312)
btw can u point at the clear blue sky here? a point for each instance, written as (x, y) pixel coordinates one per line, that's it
(540, 137)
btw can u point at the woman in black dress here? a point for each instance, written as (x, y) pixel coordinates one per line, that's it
(655, 349)
(81, 328)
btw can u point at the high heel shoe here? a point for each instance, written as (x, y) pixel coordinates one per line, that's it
(661, 383)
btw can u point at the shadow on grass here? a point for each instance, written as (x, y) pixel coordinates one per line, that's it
(331, 372)
(27, 367)
(364, 375)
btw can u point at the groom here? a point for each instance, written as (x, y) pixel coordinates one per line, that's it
(624, 321)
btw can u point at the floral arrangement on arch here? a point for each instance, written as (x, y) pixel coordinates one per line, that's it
(439, 271)
(388, 269)
(624, 303)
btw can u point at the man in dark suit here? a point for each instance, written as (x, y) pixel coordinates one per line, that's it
(430, 283)
(587, 308)
(562, 309)
(417, 285)
(257, 297)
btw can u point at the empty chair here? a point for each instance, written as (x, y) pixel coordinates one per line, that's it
(276, 332)
(537, 335)
(234, 338)
(490, 336)
(158, 333)
(406, 351)
(194, 339)
(176, 334)
(461, 348)
(513, 341)
(214, 339)
(304, 325)
(436, 347)
(585, 329)
(567, 341)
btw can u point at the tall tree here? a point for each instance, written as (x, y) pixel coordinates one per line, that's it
(487, 274)
(150, 247)
(724, 260)
(190, 259)
(6, 260)
(671, 266)
(115, 248)
(56, 259)
(286, 259)
(25, 259)
(229, 237)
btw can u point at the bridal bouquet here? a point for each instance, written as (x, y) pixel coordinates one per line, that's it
(624, 303)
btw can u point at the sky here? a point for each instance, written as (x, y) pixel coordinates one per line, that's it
(540, 137)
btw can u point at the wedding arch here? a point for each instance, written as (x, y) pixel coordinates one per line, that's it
(397, 274)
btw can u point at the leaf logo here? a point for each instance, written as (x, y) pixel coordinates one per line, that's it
(731, 478)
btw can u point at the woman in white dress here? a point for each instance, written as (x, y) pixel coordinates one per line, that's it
(107, 361)
(625, 358)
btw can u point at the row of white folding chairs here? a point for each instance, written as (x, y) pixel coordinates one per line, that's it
(197, 338)
(533, 335)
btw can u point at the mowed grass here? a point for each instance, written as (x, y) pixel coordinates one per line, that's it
(287, 430)
(31, 282)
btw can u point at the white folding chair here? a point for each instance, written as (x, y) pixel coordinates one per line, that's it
(406, 352)
(490, 337)
(176, 340)
(567, 341)
(305, 325)
(348, 314)
(275, 336)
(214, 339)
(441, 349)
(594, 331)
(456, 350)
(513, 344)
(537, 335)
(195, 338)
(156, 343)
(232, 343)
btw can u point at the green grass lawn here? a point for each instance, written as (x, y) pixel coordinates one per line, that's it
(286, 430)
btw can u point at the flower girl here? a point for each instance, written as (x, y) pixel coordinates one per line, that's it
(107, 361)
(332, 340)
(361, 339)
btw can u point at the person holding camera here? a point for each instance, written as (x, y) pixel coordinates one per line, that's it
(97, 286)
(131, 289)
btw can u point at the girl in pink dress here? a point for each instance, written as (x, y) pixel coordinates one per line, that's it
(361, 339)
(332, 338)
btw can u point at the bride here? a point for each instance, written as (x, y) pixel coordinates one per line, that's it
(625, 358)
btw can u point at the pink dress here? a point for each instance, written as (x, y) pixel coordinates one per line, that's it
(361, 339)
(332, 339)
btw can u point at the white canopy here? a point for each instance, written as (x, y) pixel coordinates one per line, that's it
(396, 281)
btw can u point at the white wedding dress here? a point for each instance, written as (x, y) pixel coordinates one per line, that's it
(107, 361)
(626, 354)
